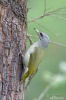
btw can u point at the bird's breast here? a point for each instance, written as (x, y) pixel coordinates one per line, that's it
(27, 54)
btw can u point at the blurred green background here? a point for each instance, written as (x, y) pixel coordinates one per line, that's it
(52, 69)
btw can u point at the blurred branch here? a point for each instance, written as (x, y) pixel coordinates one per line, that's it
(58, 17)
(57, 44)
(44, 7)
(30, 40)
(42, 16)
(57, 10)
(58, 13)
(32, 36)
(44, 27)
(51, 13)
(44, 92)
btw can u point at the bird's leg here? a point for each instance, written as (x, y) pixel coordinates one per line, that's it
(20, 53)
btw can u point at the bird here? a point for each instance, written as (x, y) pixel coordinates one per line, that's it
(34, 55)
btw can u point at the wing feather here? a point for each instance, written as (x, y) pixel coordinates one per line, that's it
(35, 59)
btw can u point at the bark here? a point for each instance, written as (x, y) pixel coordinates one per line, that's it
(13, 28)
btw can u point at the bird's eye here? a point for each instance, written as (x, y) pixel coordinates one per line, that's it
(41, 34)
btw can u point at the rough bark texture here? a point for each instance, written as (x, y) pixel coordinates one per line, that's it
(13, 26)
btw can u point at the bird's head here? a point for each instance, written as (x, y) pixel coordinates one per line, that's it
(43, 39)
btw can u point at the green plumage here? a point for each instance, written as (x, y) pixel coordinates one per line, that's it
(35, 59)
(34, 55)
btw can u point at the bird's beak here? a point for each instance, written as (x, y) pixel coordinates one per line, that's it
(37, 31)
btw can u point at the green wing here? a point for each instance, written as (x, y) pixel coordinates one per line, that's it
(35, 59)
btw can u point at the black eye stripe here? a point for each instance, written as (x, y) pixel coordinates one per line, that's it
(41, 34)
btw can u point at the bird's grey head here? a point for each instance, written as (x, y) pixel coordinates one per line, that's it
(43, 39)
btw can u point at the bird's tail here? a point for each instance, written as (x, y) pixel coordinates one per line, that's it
(24, 77)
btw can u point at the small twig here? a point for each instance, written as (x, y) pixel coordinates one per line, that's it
(44, 92)
(58, 13)
(45, 28)
(47, 14)
(41, 15)
(58, 17)
(48, 8)
(57, 44)
(50, 41)
(36, 18)
(44, 7)
(56, 10)
(32, 36)
(31, 42)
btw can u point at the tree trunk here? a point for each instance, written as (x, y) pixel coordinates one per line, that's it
(13, 27)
